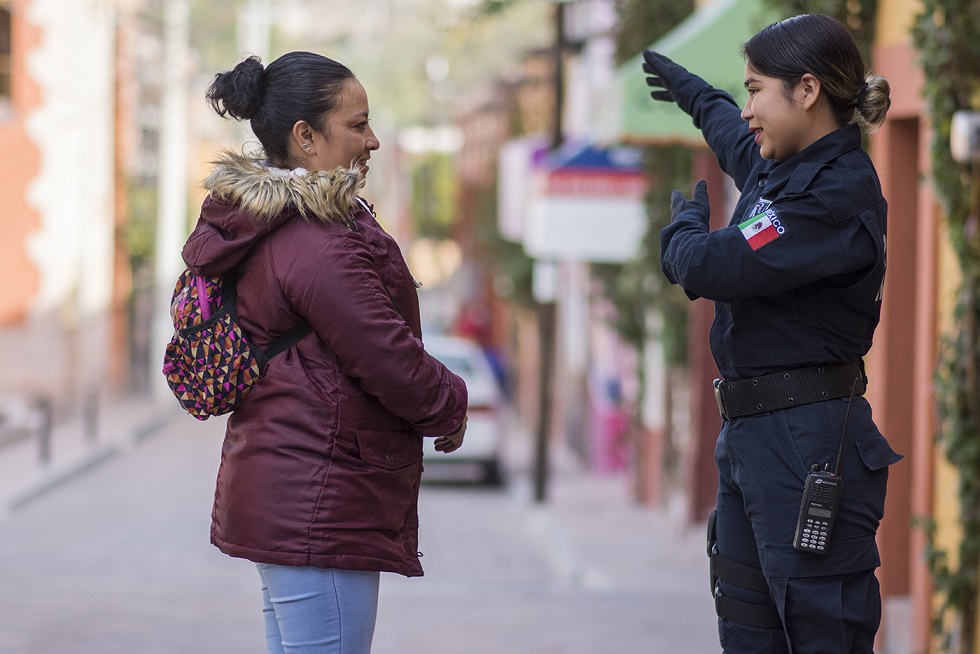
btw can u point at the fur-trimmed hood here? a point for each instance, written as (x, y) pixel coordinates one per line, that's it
(248, 199)
(266, 192)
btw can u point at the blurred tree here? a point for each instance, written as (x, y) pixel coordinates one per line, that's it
(947, 35)
(433, 203)
(642, 298)
(140, 231)
(636, 288)
(641, 22)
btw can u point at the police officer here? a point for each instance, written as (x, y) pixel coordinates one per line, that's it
(796, 278)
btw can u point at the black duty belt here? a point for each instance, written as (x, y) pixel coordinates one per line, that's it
(789, 388)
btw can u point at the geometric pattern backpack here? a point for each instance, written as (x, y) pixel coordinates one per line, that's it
(210, 365)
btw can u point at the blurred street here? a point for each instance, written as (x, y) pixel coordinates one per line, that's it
(526, 175)
(106, 551)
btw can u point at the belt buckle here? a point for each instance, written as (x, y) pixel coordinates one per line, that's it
(716, 385)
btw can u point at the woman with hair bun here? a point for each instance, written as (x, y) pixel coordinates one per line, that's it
(796, 278)
(321, 464)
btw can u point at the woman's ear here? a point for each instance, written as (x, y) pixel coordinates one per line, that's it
(809, 90)
(303, 137)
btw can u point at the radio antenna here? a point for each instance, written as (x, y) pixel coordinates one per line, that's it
(843, 435)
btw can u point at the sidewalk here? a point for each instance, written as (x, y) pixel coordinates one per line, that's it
(599, 536)
(121, 422)
(588, 571)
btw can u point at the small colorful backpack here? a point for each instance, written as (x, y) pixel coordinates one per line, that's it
(210, 364)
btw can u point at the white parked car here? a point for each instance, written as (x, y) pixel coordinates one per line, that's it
(481, 444)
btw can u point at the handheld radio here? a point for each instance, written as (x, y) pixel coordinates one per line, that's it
(821, 499)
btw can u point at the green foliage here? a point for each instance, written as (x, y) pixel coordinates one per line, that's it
(668, 168)
(511, 268)
(637, 288)
(433, 205)
(858, 15)
(642, 22)
(492, 7)
(947, 34)
(140, 230)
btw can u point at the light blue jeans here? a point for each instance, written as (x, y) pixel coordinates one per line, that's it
(317, 610)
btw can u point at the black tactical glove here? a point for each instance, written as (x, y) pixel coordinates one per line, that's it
(698, 204)
(659, 68)
(672, 83)
(662, 71)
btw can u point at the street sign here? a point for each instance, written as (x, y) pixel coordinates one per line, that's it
(586, 204)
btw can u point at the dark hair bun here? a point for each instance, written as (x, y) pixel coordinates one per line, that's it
(238, 92)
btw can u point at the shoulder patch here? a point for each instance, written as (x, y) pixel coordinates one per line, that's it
(762, 229)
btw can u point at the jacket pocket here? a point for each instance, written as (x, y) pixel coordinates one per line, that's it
(390, 450)
(376, 485)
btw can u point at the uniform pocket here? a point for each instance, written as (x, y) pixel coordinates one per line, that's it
(876, 453)
(843, 557)
(815, 432)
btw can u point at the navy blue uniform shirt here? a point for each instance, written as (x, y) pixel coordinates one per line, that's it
(797, 275)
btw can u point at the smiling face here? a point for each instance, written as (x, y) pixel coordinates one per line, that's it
(346, 138)
(776, 115)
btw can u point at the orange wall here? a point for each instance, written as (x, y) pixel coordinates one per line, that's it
(905, 353)
(19, 164)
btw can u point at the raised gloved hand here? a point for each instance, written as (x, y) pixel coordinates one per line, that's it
(662, 71)
(698, 204)
(671, 82)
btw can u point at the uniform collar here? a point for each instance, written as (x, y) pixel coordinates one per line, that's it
(814, 156)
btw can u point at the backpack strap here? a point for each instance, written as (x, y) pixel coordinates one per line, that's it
(229, 299)
(289, 339)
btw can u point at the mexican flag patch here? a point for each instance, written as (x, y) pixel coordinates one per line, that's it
(762, 229)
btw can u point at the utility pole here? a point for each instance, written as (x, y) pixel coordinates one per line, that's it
(557, 131)
(546, 305)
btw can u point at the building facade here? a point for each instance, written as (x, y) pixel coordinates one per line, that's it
(70, 138)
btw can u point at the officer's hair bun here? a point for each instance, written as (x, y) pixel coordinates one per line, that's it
(873, 102)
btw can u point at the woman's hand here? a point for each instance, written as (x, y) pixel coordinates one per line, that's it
(451, 442)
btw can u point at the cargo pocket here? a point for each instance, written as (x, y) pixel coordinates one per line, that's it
(876, 453)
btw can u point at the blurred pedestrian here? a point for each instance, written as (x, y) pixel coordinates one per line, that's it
(320, 468)
(796, 278)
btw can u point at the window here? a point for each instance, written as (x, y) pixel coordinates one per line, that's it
(5, 73)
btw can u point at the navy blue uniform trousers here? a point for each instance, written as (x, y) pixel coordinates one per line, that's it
(828, 603)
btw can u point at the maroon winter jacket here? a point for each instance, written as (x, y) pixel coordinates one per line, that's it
(321, 464)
